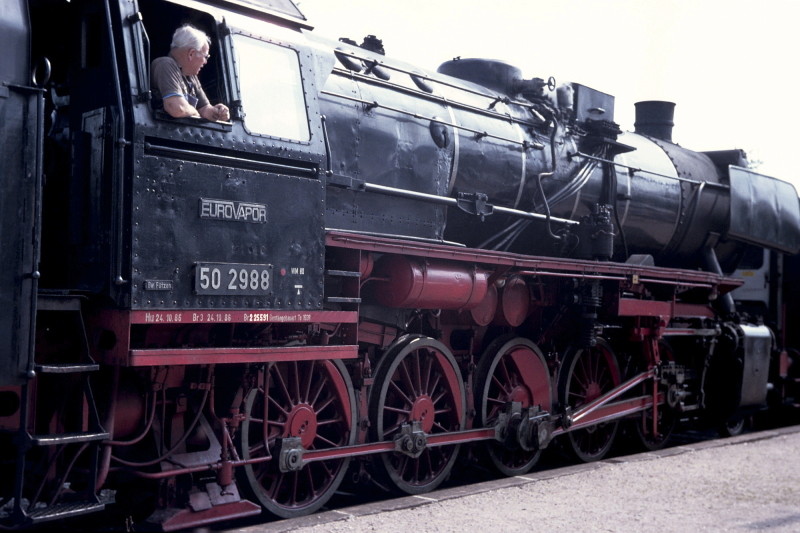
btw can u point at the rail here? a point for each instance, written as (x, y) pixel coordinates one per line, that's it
(478, 133)
(119, 156)
(460, 87)
(454, 202)
(639, 169)
(489, 112)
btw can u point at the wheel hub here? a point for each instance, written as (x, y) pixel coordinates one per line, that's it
(423, 411)
(302, 422)
(520, 394)
(592, 391)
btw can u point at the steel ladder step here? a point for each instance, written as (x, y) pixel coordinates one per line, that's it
(65, 510)
(67, 368)
(68, 438)
(343, 273)
(342, 300)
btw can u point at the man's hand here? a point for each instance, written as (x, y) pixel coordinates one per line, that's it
(216, 113)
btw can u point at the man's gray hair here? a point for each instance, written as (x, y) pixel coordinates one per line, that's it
(187, 36)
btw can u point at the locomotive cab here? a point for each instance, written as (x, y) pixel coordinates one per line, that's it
(156, 233)
(126, 182)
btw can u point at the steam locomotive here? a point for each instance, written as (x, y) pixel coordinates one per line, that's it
(369, 271)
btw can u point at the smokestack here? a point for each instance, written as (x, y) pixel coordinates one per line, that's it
(654, 118)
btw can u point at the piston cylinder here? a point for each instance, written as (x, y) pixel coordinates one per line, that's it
(408, 282)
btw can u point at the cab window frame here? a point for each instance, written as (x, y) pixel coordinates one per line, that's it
(214, 77)
(301, 112)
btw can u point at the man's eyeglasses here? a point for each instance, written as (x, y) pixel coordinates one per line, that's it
(206, 56)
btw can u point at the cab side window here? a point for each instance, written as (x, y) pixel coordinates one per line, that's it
(271, 89)
(161, 19)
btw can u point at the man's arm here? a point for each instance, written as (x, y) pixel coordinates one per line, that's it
(177, 107)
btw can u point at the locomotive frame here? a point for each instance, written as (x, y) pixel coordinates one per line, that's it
(208, 320)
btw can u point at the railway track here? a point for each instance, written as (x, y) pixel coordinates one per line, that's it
(470, 479)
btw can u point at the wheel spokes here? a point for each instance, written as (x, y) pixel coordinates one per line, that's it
(418, 385)
(309, 400)
(591, 372)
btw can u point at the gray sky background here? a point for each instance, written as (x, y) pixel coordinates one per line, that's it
(730, 66)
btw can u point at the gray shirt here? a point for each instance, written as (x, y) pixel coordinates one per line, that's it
(166, 80)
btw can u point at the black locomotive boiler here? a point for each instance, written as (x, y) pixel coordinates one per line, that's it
(370, 271)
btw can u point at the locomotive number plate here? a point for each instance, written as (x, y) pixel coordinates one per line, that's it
(232, 279)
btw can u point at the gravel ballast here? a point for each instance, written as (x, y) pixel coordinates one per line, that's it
(746, 483)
